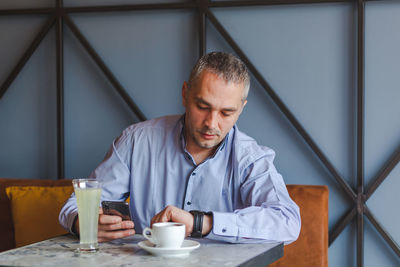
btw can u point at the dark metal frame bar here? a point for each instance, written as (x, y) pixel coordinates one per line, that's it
(202, 30)
(27, 11)
(60, 92)
(360, 132)
(59, 15)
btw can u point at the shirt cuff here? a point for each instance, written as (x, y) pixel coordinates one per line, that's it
(71, 220)
(224, 224)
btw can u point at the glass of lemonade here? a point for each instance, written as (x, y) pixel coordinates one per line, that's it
(88, 192)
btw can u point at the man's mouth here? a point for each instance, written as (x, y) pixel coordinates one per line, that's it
(208, 136)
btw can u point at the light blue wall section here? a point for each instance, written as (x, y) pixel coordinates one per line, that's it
(382, 94)
(150, 64)
(305, 52)
(27, 110)
(312, 80)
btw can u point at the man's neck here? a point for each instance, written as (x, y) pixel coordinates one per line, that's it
(199, 155)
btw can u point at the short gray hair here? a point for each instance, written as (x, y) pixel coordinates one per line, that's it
(225, 65)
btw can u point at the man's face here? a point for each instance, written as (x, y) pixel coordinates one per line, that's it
(212, 108)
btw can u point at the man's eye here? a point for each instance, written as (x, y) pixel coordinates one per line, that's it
(226, 114)
(202, 108)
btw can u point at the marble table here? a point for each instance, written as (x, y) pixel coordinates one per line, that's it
(61, 251)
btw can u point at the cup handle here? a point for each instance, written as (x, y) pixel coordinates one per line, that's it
(149, 237)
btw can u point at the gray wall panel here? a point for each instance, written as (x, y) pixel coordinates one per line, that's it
(27, 118)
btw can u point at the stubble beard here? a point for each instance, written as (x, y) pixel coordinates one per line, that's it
(207, 144)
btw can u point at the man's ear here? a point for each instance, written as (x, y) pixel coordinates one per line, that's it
(244, 104)
(184, 92)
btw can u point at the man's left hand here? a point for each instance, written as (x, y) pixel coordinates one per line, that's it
(174, 214)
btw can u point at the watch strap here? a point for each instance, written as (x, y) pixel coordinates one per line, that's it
(198, 217)
(209, 213)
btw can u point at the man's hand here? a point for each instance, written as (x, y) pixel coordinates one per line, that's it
(174, 214)
(111, 227)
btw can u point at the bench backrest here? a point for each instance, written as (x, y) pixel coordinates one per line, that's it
(311, 248)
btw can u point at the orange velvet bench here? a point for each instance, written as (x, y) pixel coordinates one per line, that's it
(311, 249)
(40, 199)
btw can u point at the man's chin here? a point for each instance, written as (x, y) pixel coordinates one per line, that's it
(205, 144)
(208, 146)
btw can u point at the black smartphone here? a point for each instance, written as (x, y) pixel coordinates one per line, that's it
(118, 208)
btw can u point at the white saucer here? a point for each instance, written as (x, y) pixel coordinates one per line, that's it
(184, 250)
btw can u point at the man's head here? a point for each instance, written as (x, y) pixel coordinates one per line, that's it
(213, 98)
(225, 66)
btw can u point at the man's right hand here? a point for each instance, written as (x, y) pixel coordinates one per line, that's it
(111, 227)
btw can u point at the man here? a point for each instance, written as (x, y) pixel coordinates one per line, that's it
(197, 167)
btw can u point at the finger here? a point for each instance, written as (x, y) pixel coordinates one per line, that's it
(116, 226)
(154, 220)
(188, 232)
(108, 219)
(100, 210)
(107, 236)
(156, 217)
(115, 234)
(164, 217)
(160, 217)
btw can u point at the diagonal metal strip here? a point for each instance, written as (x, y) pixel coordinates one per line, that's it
(384, 172)
(27, 55)
(110, 76)
(343, 222)
(280, 104)
(389, 240)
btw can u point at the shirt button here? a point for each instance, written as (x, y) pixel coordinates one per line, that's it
(223, 230)
(189, 203)
(193, 173)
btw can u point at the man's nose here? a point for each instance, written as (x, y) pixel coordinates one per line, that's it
(211, 120)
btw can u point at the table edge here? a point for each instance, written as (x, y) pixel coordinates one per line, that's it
(265, 258)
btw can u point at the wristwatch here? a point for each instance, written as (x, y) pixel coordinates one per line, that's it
(198, 217)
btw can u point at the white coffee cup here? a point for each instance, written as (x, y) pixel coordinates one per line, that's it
(166, 234)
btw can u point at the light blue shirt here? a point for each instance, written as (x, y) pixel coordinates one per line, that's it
(238, 183)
